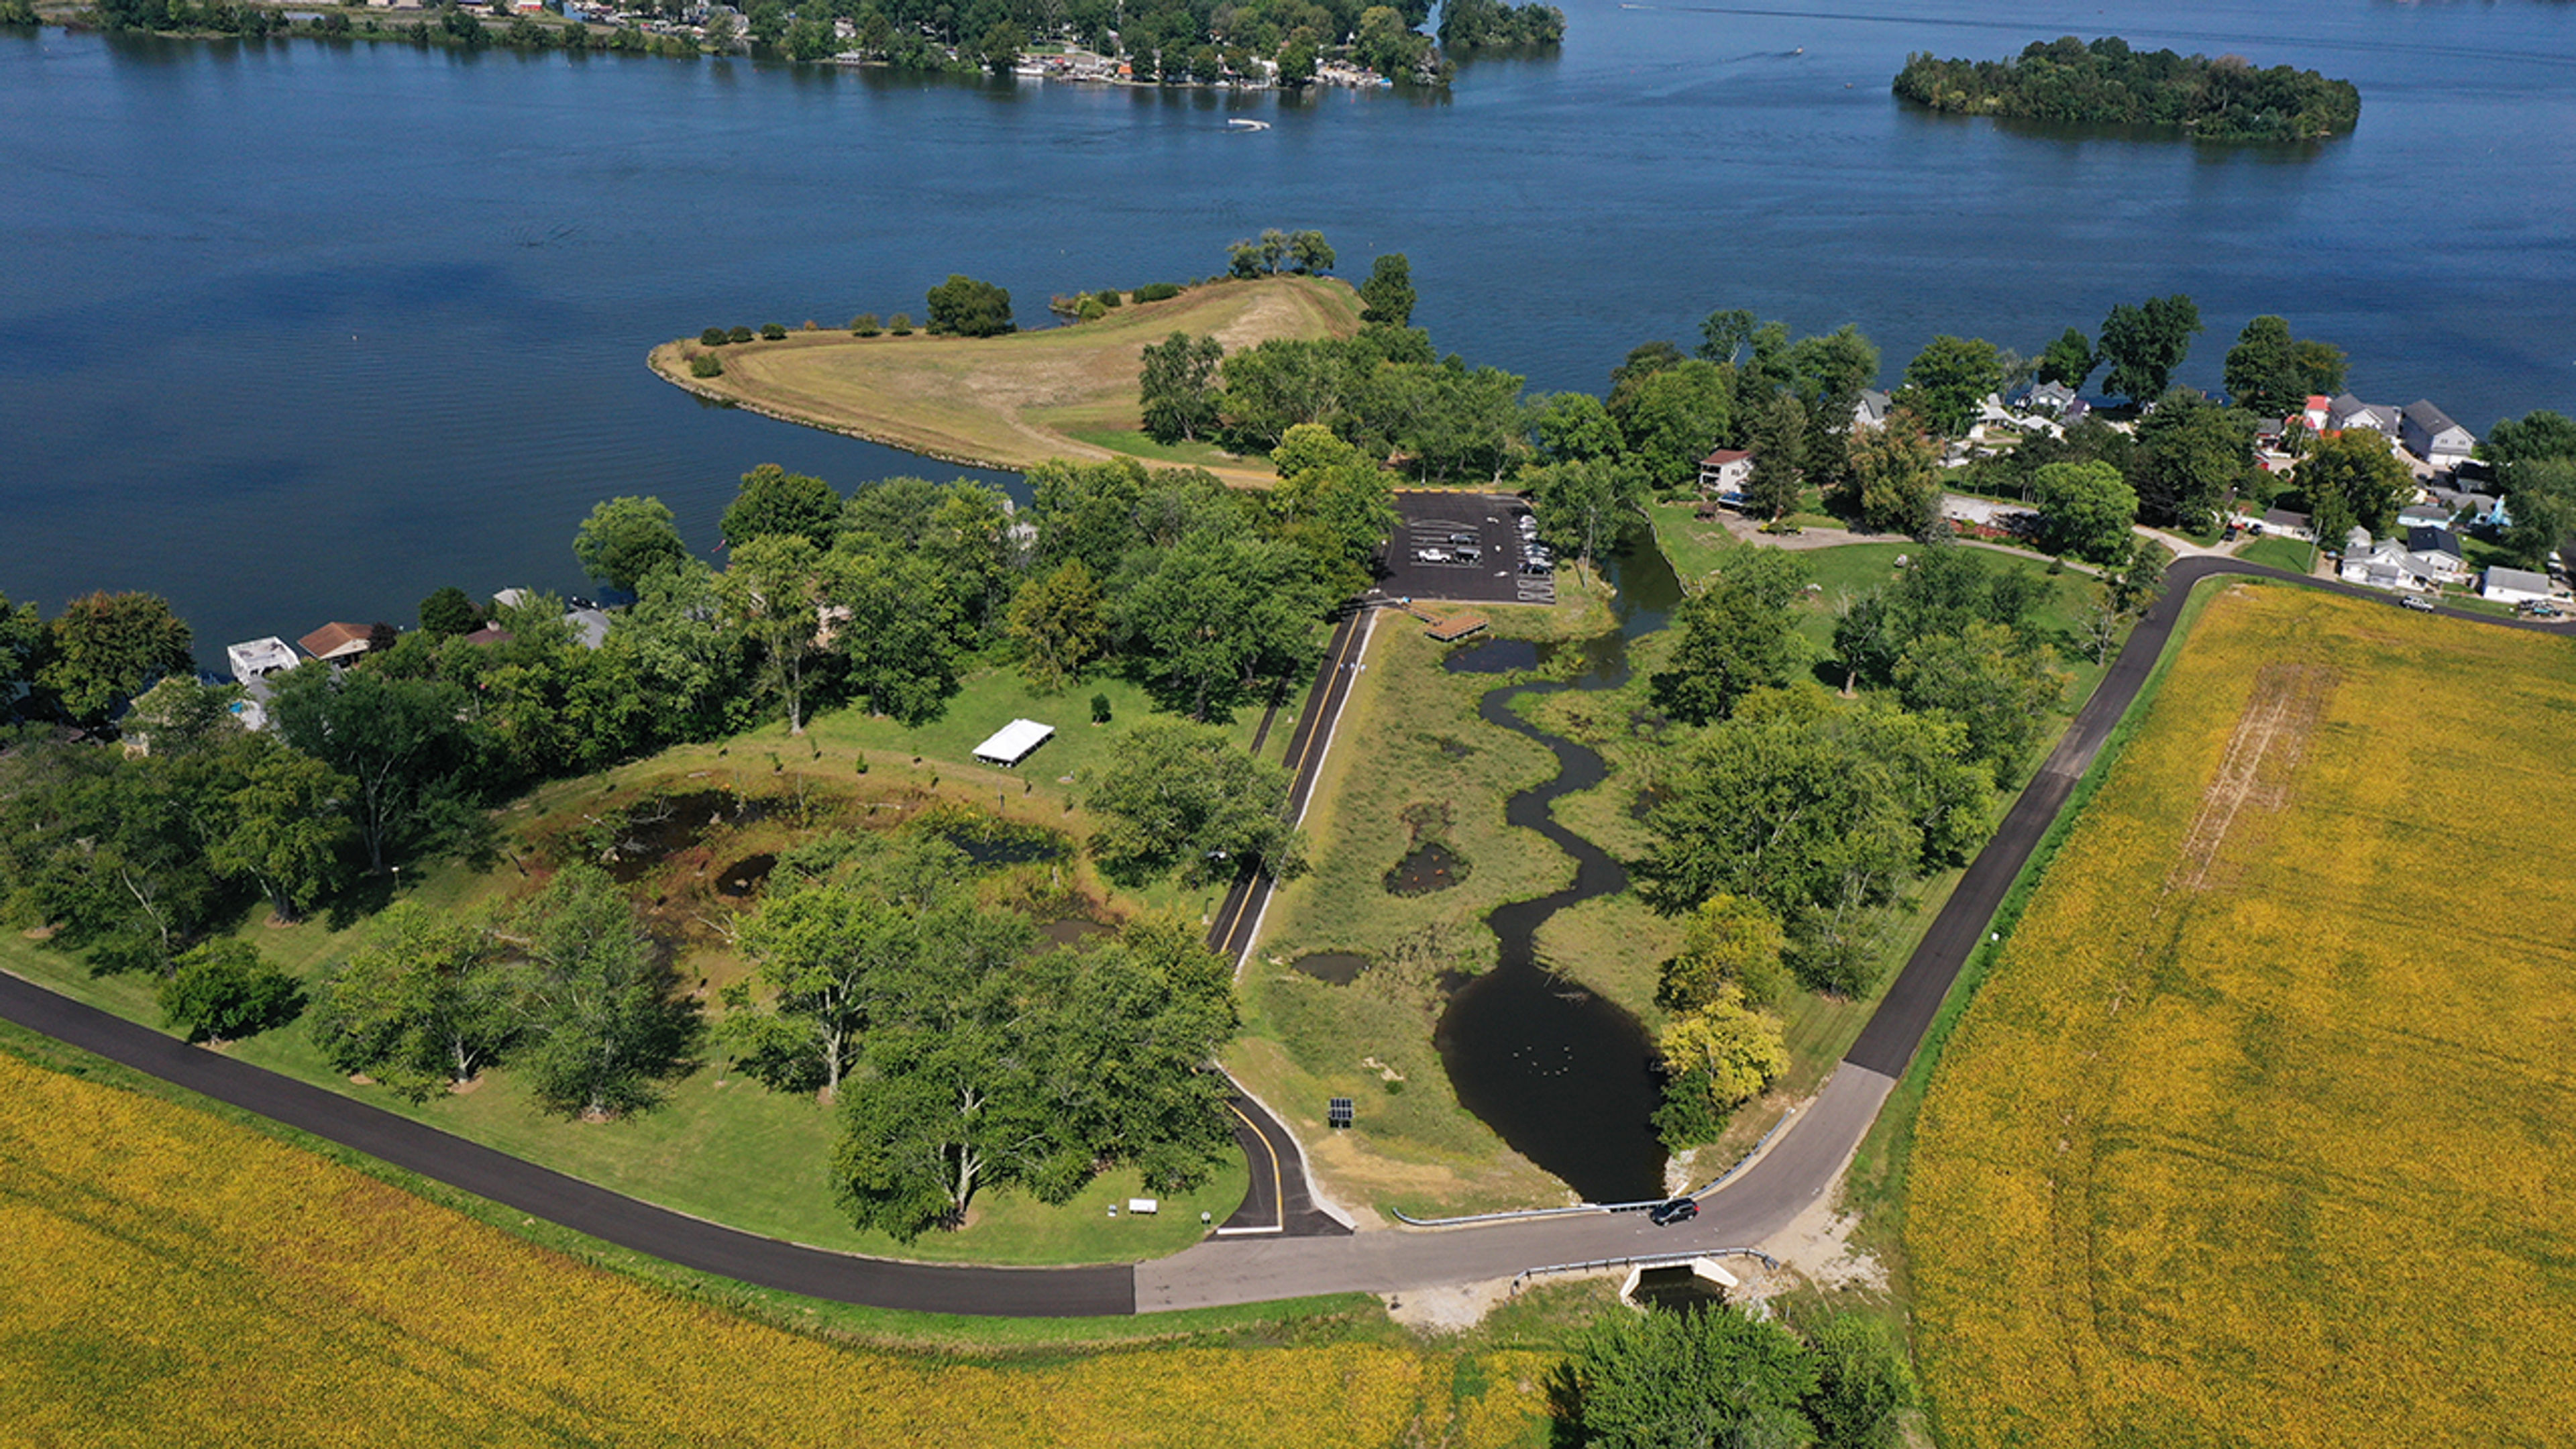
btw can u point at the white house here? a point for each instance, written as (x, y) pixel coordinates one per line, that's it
(2347, 411)
(256, 659)
(2423, 515)
(1725, 472)
(2283, 523)
(2051, 398)
(2515, 586)
(2429, 434)
(2387, 565)
(1871, 410)
(2437, 549)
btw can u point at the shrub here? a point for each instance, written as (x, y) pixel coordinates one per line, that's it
(900, 325)
(739, 334)
(712, 337)
(1157, 291)
(969, 308)
(222, 989)
(706, 364)
(1111, 298)
(1100, 709)
(865, 325)
(772, 331)
(1091, 310)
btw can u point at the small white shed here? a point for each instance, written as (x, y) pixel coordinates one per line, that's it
(1013, 742)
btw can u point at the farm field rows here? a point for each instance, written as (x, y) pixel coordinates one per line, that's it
(178, 1279)
(2258, 1130)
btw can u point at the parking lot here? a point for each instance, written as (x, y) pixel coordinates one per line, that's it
(1466, 548)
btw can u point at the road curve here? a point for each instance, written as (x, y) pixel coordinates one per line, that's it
(1798, 1167)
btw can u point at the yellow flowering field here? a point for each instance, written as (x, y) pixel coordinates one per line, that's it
(2263, 1129)
(172, 1279)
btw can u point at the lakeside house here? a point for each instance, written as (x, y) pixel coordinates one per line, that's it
(1724, 474)
(1871, 410)
(2423, 515)
(335, 643)
(254, 660)
(2053, 399)
(2516, 586)
(2429, 434)
(2437, 549)
(2346, 412)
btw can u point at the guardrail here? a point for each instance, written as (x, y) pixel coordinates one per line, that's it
(1644, 1260)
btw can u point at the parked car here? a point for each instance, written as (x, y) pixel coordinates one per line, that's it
(1431, 555)
(1465, 538)
(1679, 1210)
(1468, 553)
(2417, 602)
(1537, 566)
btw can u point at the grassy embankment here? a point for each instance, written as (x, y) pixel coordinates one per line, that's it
(1019, 400)
(2257, 1133)
(1435, 771)
(2280, 553)
(723, 1147)
(182, 1278)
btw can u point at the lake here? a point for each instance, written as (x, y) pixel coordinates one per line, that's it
(302, 331)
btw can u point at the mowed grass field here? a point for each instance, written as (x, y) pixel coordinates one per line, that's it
(2258, 1132)
(1018, 400)
(177, 1279)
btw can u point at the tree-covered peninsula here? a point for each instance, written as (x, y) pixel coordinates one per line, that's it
(2107, 83)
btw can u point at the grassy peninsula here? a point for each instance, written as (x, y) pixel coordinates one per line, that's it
(1016, 400)
(2107, 83)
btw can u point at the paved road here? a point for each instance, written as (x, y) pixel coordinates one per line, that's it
(1798, 1167)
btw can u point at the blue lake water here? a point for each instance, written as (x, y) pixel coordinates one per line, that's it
(302, 331)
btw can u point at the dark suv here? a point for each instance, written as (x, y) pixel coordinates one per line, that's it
(1679, 1210)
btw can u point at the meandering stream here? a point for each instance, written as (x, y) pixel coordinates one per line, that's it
(1566, 1076)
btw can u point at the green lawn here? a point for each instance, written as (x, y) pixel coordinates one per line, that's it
(1852, 570)
(1693, 544)
(2279, 553)
(1136, 443)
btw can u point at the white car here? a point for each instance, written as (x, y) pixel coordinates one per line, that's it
(1431, 555)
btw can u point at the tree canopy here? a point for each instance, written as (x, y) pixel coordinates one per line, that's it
(625, 539)
(2107, 83)
(966, 307)
(1180, 798)
(103, 649)
(2143, 343)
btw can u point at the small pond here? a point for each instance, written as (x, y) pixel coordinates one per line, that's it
(746, 875)
(1073, 931)
(1429, 867)
(1338, 967)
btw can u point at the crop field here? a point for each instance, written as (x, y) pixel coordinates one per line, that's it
(2258, 1132)
(176, 1279)
(1017, 400)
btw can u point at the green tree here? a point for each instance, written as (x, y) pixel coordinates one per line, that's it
(773, 501)
(1386, 298)
(180, 716)
(1982, 677)
(103, 649)
(2191, 454)
(1819, 810)
(774, 594)
(899, 634)
(1711, 1377)
(448, 613)
(826, 947)
(1672, 415)
(625, 539)
(1311, 253)
(2085, 509)
(1581, 503)
(1218, 614)
(284, 826)
(1057, 623)
(1180, 797)
(426, 1001)
(1572, 427)
(2321, 366)
(404, 742)
(969, 308)
(2144, 343)
(111, 851)
(604, 1027)
(222, 990)
(1863, 1384)
(1736, 637)
(2069, 360)
(1178, 387)
(1728, 941)
(2262, 372)
(2543, 511)
(998, 51)
(1331, 504)
(2535, 435)
(1778, 438)
(1895, 469)
(22, 637)
(2351, 477)
(1950, 378)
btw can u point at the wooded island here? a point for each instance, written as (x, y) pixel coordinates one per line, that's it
(2107, 83)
